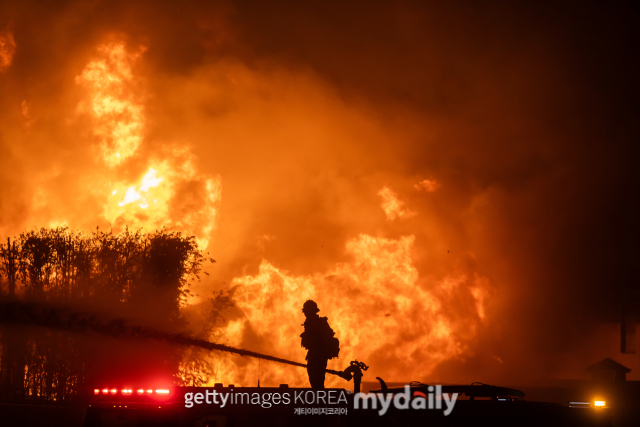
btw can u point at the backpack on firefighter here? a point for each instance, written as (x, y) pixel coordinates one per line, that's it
(319, 338)
(331, 343)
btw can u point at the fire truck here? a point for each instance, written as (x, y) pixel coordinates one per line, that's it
(232, 406)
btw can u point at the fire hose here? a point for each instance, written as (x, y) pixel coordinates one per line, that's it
(15, 312)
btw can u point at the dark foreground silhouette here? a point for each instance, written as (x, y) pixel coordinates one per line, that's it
(318, 338)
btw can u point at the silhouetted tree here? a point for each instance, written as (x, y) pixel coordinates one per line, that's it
(131, 273)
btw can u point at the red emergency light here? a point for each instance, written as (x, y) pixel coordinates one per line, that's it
(128, 391)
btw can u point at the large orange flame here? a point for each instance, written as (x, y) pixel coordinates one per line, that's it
(118, 116)
(380, 310)
(165, 193)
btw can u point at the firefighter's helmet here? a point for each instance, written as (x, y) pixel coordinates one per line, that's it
(310, 306)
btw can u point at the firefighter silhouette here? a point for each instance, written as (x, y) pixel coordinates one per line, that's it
(318, 338)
